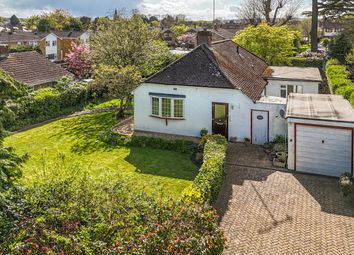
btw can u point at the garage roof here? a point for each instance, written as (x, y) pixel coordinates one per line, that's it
(319, 107)
(293, 73)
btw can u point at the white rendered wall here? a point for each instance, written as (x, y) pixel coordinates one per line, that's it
(273, 87)
(51, 49)
(85, 37)
(198, 111)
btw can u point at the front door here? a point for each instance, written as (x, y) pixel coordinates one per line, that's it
(220, 119)
(260, 127)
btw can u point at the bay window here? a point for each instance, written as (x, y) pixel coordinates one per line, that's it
(167, 107)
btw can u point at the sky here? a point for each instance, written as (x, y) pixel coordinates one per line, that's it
(193, 9)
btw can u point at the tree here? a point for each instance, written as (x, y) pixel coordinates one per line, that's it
(272, 43)
(58, 18)
(305, 28)
(274, 12)
(340, 47)
(79, 60)
(128, 42)
(2, 20)
(14, 21)
(179, 29)
(155, 24)
(334, 9)
(186, 39)
(314, 26)
(73, 24)
(32, 22)
(43, 25)
(120, 81)
(86, 22)
(10, 163)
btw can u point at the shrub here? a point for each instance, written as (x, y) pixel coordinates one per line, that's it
(72, 215)
(182, 146)
(346, 183)
(338, 81)
(207, 184)
(203, 132)
(307, 62)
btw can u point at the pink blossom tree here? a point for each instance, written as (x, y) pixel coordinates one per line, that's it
(79, 60)
(186, 39)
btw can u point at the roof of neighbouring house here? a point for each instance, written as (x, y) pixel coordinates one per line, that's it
(62, 34)
(225, 65)
(32, 68)
(319, 107)
(328, 24)
(290, 73)
(18, 36)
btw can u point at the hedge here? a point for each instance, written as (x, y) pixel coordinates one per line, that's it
(307, 62)
(338, 80)
(207, 184)
(182, 146)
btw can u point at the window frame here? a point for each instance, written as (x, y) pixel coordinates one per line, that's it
(296, 89)
(172, 107)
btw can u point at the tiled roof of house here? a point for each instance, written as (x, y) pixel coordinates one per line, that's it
(18, 36)
(68, 34)
(226, 65)
(32, 68)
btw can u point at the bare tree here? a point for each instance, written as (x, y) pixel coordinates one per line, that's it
(274, 12)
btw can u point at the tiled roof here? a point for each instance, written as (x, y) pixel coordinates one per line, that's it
(226, 65)
(32, 68)
(68, 34)
(18, 36)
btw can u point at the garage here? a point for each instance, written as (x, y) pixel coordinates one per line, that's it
(320, 134)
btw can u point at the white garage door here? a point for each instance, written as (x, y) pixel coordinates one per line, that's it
(323, 150)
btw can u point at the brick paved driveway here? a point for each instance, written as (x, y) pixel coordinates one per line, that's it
(265, 211)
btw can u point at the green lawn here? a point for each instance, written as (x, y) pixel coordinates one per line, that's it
(75, 143)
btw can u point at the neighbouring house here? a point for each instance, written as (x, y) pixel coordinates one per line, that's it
(16, 38)
(168, 36)
(320, 134)
(57, 44)
(330, 29)
(32, 68)
(283, 80)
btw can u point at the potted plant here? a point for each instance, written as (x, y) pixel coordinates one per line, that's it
(280, 159)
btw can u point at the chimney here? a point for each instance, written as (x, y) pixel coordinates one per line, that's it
(4, 51)
(204, 36)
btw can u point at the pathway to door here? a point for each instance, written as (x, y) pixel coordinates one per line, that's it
(265, 211)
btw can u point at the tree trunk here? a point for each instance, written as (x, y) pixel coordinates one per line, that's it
(120, 113)
(314, 26)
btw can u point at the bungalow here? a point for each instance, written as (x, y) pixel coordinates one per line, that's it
(31, 68)
(57, 44)
(15, 38)
(225, 89)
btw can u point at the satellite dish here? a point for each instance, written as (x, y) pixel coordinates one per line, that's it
(282, 113)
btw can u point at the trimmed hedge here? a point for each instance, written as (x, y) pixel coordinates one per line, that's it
(307, 62)
(182, 146)
(338, 80)
(207, 184)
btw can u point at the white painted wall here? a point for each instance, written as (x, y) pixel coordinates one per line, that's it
(51, 49)
(198, 111)
(291, 121)
(273, 87)
(85, 38)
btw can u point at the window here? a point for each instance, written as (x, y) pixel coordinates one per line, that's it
(285, 90)
(54, 43)
(47, 43)
(155, 105)
(51, 56)
(178, 108)
(166, 107)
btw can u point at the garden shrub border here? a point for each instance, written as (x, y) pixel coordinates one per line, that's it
(307, 62)
(338, 80)
(206, 185)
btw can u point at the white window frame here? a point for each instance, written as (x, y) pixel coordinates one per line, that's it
(296, 89)
(54, 43)
(47, 43)
(172, 109)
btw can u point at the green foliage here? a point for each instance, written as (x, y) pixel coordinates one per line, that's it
(338, 81)
(307, 62)
(339, 47)
(179, 29)
(207, 184)
(23, 48)
(203, 132)
(126, 42)
(182, 146)
(275, 44)
(14, 21)
(77, 215)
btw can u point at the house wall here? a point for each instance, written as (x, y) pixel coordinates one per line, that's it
(273, 87)
(64, 47)
(85, 37)
(198, 111)
(291, 134)
(50, 49)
